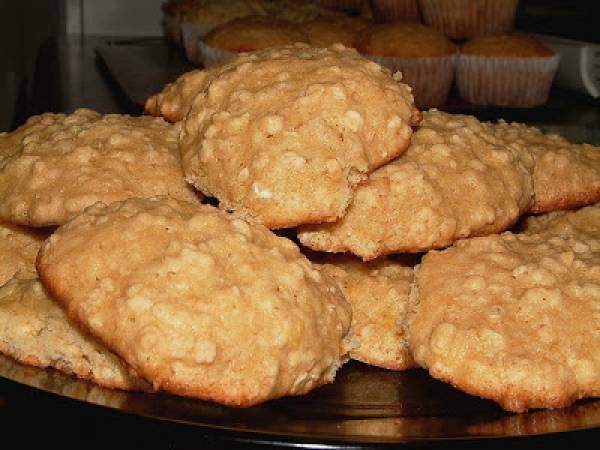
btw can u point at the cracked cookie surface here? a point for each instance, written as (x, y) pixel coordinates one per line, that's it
(456, 180)
(378, 292)
(284, 135)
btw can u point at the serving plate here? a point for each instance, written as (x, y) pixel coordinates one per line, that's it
(365, 405)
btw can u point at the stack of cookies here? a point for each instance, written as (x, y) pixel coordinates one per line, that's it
(115, 271)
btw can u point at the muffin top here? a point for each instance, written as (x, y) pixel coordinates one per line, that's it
(297, 11)
(216, 12)
(326, 31)
(405, 40)
(254, 33)
(514, 45)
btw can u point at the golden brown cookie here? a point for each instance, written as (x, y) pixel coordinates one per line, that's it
(35, 331)
(18, 249)
(583, 221)
(565, 176)
(379, 295)
(197, 301)
(63, 163)
(455, 181)
(175, 100)
(284, 135)
(512, 318)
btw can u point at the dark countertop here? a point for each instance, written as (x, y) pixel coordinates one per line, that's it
(69, 75)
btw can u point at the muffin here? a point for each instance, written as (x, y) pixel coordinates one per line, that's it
(385, 11)
(513, 70)
(424, 56)
(209, 14)
(248, 34)
(351, 6)
(174, 12)
(198, 17)
(298, 11)
(326, 31)
(469, 18)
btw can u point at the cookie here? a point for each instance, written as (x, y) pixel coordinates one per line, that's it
(35, 331)
(379, 295)
(18, 248)
(175, 100)
(565, 176)
(197, 301)
(455, 181)
(286, 134)
(512, 318)
(63, 163)
(566, 223)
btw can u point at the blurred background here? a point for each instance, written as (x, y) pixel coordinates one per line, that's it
(27, 26)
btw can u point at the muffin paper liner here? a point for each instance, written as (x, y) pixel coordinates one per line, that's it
(513, 82)
(430, 77)
(396, 10)
(210, 56)
(469, 18)
(191, 34)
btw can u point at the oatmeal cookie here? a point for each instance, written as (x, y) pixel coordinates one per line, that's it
(584, 221)
(55, 165)
(199, 302)
(455, 181)
(379, 295)
(175, 100)
(565, 176)
(35, 331)
(18, 248)
(284, 135)
(512, 318)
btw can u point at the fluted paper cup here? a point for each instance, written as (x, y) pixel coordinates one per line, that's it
(511, 82)
(430, 77)
(469, 18)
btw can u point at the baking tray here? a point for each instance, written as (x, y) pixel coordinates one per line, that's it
(365, 405)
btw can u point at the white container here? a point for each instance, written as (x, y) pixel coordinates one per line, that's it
(579, 67)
